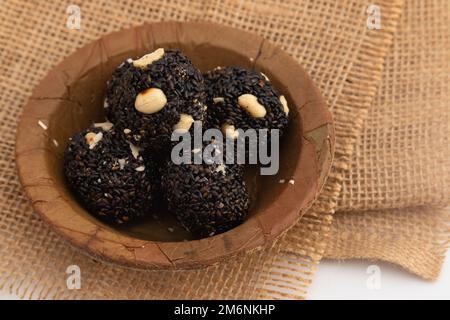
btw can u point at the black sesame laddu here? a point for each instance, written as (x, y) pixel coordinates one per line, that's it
(148, 98)
(109, 175)
(238, 98)
(206, 199)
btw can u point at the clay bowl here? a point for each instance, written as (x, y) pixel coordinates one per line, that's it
(70, 98)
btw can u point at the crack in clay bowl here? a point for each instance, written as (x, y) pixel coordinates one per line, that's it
(70, 98)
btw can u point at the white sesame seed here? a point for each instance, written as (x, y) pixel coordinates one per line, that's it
(126, 131)
(42, 125)
(221, 168)
(218, 100)
(97, 139)
(282, 181)
(122, 163)
(140, 168)
(291, 181)
(55, 143)
(171, 229)
(104, 125)
(134, 150)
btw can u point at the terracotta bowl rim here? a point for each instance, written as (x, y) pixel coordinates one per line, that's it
(106, 244)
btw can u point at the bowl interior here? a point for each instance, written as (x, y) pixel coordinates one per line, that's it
(88, 92)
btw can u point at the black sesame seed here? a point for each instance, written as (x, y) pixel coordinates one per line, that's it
(231, 82)
(180, 81)
(112, 193)
(206, 199)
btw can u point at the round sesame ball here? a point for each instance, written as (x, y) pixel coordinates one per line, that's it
(147, 97)
(227, 90)
(206, 199)
(110, 176)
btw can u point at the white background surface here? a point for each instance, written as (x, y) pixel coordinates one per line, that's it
(348, 280)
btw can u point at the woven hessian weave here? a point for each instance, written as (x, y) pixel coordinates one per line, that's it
(343, 56)
(401, 164)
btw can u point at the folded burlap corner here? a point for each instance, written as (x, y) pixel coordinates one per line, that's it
(399, 179)
(331, 39)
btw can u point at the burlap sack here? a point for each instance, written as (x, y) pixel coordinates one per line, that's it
(329, 38)
(402, 159)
